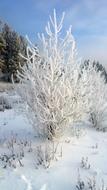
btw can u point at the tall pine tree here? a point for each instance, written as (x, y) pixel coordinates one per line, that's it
(11, 44)
(11, 53)
(2, 48)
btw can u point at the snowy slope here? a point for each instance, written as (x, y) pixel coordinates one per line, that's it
(63, 173)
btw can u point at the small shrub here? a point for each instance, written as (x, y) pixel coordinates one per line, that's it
(85, 163)
(45, 154)
(15, 152)
(4, 103)
(89, 184)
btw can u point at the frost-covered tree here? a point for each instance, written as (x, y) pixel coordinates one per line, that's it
(49, 82)
(94, 91)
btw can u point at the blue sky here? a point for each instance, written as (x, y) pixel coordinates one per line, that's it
(87, 17)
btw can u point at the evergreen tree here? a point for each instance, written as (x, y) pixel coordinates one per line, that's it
(11, 44)
(11, 53)
(2, 50)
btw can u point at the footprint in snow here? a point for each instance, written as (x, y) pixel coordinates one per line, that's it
(44, 187)
(28, 183)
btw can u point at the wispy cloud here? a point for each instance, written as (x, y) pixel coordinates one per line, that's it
(89, 21)
(88, 16)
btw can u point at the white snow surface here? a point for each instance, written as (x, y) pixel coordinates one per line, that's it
(63, 173)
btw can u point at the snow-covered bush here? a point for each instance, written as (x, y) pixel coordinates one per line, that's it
(16, 150)
(94, 91)
(46, 153)
(90, 184)
(57, 88)
(85, 163)
(49, 83)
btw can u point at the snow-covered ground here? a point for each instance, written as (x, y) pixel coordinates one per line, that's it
(85, 155)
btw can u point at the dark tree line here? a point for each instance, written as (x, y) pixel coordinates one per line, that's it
(11, 45)
(97, 66)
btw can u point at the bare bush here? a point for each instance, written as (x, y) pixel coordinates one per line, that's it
(47, 153)
(15, 153)
(85, 163)
(89, 184)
